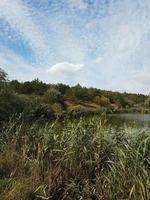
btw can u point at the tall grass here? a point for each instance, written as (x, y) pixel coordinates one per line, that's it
(73, 161)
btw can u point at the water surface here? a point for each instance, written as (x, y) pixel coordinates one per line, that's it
(129, 119)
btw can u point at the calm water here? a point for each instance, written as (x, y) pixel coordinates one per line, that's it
(129, 120)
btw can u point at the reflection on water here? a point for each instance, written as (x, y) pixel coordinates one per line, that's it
(141, 120)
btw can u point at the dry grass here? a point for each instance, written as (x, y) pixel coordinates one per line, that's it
(71, 160)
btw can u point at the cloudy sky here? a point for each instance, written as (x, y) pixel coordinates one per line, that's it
(100, 43)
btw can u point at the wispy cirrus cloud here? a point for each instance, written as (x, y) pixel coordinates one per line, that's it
(80, 4)
(16, 66)
(125, 47)
(21, 18)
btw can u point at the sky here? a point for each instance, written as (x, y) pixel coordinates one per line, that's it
(98, 43)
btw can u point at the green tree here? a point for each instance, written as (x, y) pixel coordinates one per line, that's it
(62, 88)
(33, 87)
(52, 96)
(78, 93)
(3, 75)
(15, 85)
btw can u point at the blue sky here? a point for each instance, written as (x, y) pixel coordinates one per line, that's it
(100, 43)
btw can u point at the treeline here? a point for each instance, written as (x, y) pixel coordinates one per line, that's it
(36, 99)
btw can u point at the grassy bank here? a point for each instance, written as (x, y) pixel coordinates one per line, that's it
(71, 160)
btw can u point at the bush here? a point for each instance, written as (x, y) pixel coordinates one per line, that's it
(10, 103)
(57, 110)
(52, 96)
(41, 111)
(78, 111)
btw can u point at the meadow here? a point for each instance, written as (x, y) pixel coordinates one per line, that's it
(73, 160)
(56, 143)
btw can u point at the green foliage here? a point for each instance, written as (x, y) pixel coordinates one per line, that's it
(79, 111)
(15, 85)
(41, 111)
(37, 99)
(80, 93)
(62, 88)
(73, 160)
(57, 110)
(34, 87)
(52, 96)
(3, 75)
(9, 102)
(102, 101)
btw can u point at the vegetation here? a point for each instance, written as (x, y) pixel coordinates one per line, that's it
(50, 101)
(73, 160)
(45, 153)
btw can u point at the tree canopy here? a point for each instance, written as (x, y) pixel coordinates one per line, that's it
(40, 99)
(3, 75)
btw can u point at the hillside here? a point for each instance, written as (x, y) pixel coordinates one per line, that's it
(49, 101)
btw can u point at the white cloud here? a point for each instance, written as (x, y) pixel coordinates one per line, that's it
(124, 52)
(65, 72)
(65, 69)
(80, 4)
(143, 77)
(16, 66)
(67, 45)
(20, 18)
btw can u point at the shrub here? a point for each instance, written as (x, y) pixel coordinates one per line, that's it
(52, 96)
(10, 103)
(57, 110)
(41, 111)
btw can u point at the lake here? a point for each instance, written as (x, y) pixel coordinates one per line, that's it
(129, 119)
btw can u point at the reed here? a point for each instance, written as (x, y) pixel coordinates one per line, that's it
(73, 160)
